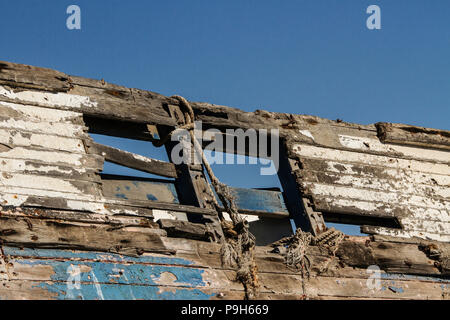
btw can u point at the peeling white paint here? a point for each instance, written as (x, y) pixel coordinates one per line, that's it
(57, 128)
(49, 99)
(33, 113)
(369, 159)
(380, 196)
(22, 139)
(364, 144)
(307, 133)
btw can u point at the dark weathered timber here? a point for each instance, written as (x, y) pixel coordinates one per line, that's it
(413, 136)
(57, 234)
(24, 76)
(124, 105)
(301, 212)
(184, 229)
(132, 160)
(118, 128)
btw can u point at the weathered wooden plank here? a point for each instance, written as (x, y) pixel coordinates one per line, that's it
(117, 128)
(51, 128)
(365, 194)
(91, 102)
(364, 145)
(22, 138)
(363, 170)
(14, 196)
(403, 185)
(24, 76)
(369, 159)
(184, 229)
(29, 167)
(405, 233)
(38, 114)
(261, 202)
(130, 105)
(121, 216)
(49, 183)
(132, 160)
(414, 136)
(38, 233)
(52, 157)
(377, 208)
(139, 189)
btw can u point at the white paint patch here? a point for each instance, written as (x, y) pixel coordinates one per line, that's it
(50, 99)
(169, 215)
(57, 128)
(364, 143)
(307, 133)
(18, 138)
(249, 218)
(34, 113)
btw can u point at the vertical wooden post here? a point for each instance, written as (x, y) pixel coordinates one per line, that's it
(299, 207)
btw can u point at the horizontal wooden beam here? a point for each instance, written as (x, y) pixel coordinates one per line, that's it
(132, 160)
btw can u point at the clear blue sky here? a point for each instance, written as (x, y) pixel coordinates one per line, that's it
(306, 57)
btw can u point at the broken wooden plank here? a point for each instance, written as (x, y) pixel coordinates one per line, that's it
(184, 229)
(132, 160)
(413, 136)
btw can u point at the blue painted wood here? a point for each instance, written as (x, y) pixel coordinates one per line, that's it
(259, 200)
(144, 190)
(94, 275)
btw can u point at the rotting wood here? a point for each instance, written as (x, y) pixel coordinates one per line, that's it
(57, 234)
(132, 160)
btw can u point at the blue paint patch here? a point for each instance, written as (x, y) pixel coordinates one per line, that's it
(128, 188)
(136, 274)
(259, 200)
(121, 196)
(151, 197)
(391, 276)
(123, 292)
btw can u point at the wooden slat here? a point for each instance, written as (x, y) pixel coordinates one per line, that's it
(260, 202)
(30, 167)
(128, 188)
(49, 183)
(38, 114)
(44, 127)
(52, 157)
(132, 160)
(22, 138)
